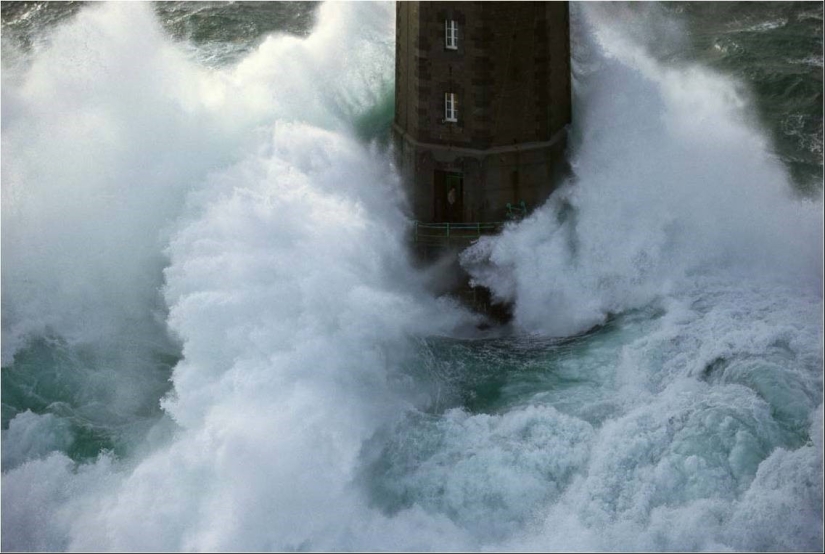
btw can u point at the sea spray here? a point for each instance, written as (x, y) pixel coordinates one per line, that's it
(108, 127)
(101, 140)
(301, 415)
(287, 288)
(677, 204)
(109, 130)
(671, 177)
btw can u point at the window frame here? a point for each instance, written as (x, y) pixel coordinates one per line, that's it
(450, 107)
(450, 34)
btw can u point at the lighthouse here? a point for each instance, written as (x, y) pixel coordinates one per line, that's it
(482, 110)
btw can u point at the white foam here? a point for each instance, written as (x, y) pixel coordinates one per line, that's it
(287, 285)
(31, 436)
(672, 177)
(289, 292)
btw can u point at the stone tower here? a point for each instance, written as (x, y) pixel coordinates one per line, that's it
(482, 104)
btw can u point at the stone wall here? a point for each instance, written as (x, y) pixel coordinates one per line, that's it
(511, 73)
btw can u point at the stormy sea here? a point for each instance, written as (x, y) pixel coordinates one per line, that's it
(215, 336)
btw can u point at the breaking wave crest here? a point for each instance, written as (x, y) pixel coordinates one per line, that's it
(229, 222)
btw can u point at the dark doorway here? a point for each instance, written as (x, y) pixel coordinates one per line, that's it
(448, 205)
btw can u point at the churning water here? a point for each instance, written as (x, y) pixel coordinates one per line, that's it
(214, 339)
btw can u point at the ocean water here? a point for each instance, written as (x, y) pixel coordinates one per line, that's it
(214, 337)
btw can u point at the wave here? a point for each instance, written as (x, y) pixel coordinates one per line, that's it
(673, 177)
(237, 214)
(282, 239)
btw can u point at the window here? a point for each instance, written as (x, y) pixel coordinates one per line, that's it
(451, 34)
(450, 107)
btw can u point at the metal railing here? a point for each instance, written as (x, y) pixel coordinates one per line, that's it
(462, 234)
(453, 233)
(516, 211)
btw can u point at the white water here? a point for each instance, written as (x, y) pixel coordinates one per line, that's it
(672, 178)
(287, 286)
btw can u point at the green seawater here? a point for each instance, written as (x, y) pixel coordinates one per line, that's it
(76, 383)
(775, 49)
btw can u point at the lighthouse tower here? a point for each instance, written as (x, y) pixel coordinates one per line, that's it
(482, 107)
